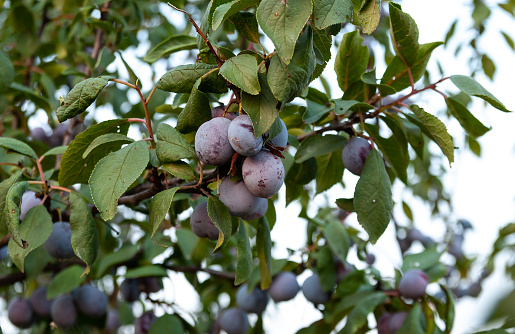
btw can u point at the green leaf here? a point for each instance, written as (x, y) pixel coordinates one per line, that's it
(404, 32)
(472, 87)
(449, 309)
(183, 78)
(260, 108)
(187, 241)
(247, 26)
(114, 174)
(243, 256)
(330, 170)
(32, 95)
(423, 261)
(287, 80)
(81, 97)
(369, 16)
(65, 281)
(84, 231)
(264, 249)
(396, 74)
(172, 145)
(283, 21)
(413, 323)
(195, 113)
(159, 206)
(167, 323)
(180, 169)
(124, 253)
(329, 12)
(146, 271)
(346, 204)
(317, 145)
(4, 189)
(36, 228)
(17, 146)
(170, 45)
(315, 111)
(223, 12)
(373, 197)
(364, 303)
(74, 169)
(342, 106)
(11, 212)
(471, 124)
(370, 79)
(351, 60)
(6, 71)
(322, 42)
(241, 71)
(107, 138)
(59, 150)
(337, 239)
(437, 130)
(221, 217)
(488, 66)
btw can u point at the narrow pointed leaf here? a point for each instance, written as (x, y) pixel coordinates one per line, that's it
(470, 123)
(437, 130)
(221, 217)
(337, 239)
(351, 60)
(159, 206)
(329, 12)
(330, 170)
(4, 189)
(243, 256)
(170, 45)
(373, 197)
(283, 21)
(114, 174)
(471, 87)
(81, 97)
(59, 150)
(74, 169)
(404, 32)
(36, 228)
(264, 249)
(84, 231)
(260, 108)
(241, 71)
(172, 145)
(11, 212)
(17, 146)
(108, 138)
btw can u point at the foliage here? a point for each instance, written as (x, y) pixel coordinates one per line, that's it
(128, 195)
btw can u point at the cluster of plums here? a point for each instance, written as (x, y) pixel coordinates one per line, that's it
(216, 142)
(64, 310)
(131, 288)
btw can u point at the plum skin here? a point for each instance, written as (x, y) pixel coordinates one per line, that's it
(261, 210)
(212, 144)
(413, 284)
(144, 322)
(241, 136)
(354, 154)
(130, 290)
(39, 302)
(284, 287)
(253, 302)
(91, 301)
(237, 198)
(263, 174)
(20, 313)
(312, 290)
(201, 223)
(63, 311)
(396, 321)
(59, 243)
(234, 321)
(281, 139)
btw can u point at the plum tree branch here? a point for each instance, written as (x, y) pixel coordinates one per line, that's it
(194, 269)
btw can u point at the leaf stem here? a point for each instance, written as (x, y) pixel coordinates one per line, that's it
(124, 83)
(151, 94)
(147, 115)
(138, 120)
(10, 164)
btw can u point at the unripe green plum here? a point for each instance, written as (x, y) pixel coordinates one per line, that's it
(355, 153)
(413, 284)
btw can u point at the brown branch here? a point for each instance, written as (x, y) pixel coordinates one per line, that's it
(194, 269)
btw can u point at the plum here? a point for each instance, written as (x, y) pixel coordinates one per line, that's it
(413, 284)
(150, 284)
(253, 302)
(281, 139)
(63, 312)
(142, 324)
(312, 290)
(241, 136)
(237, 198)
(20, 313)
(354, 154)
(91, 301)
(383, 324)
(130, 289)
(284, 287)
(59, 243)
(396, 321)
(219, 112)
(28, 201)
(3, 253)
(263, 174)
(112, 322)
(39, 302)
(201, 223)
(261, 210)
(212, 144)
(234, 321)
